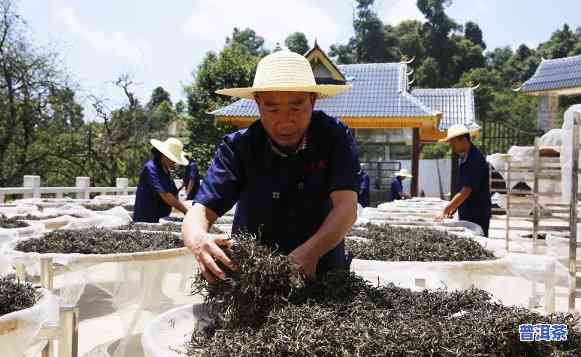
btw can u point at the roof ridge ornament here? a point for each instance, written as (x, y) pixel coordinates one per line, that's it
(516, 86)
(405, 59)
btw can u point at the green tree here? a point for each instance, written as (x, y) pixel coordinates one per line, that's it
(297, 42)
(473, 33)
(158, 96)
(436, 34)
(234, 66)
(248, 39)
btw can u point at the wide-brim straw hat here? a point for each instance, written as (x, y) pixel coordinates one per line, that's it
(285, 71)
(172, 148)
(403, 173)
(458, 130)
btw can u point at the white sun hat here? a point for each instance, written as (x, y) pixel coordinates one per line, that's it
(458, 130)
(172, 148)
(285, 71)
(403, 173)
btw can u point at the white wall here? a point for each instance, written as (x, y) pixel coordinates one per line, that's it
(433, 175)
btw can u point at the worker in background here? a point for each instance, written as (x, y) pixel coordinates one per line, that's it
(363, 194)
(473, 200)
(191, 180)
(156, 192)
(396, 187)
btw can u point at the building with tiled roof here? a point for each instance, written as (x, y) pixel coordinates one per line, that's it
(560, 76)
(457, 105)
(553, 78)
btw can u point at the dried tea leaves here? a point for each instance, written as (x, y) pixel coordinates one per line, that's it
(264, 309)
(264, 279)
(164, 227)
(100, 241)
(16, 295)
(11, 223)
(392, 243)
(99, 207)
(173, 219)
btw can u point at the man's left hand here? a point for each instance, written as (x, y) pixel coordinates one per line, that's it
(306, 258)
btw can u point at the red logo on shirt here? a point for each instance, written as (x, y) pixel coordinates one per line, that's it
(316, 166)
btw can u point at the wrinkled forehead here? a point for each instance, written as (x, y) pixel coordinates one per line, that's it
(283, 98)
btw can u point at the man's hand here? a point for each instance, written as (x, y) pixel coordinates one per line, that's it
(305, 256)
(447, 213)
(206, 248)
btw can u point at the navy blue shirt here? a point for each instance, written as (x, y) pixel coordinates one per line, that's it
(192, 174)
(396, 190)
(363, 195)
(283, 200)
(153, 180)
(474, 173)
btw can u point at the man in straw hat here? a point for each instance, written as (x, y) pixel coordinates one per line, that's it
(473, 200)
(396, 187)
(293, 174)
(156, 192)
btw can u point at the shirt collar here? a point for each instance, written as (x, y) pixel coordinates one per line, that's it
(464, 156)
(302, 146)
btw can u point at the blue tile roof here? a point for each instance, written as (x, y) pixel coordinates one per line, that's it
(456, 104)
(555, 74)
(379, 90)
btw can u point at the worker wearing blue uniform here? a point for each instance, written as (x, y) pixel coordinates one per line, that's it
(156, 191)
(473, 200)
(396, 187)
(293, 174)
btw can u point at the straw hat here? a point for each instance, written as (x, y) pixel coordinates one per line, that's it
(172, 148)
(458, 130)
(285, 71)
(403, 173)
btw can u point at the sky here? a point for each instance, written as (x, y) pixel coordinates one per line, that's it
(160, 43)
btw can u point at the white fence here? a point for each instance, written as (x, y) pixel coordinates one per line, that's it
(31, 189)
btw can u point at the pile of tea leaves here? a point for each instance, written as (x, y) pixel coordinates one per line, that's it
(267, 310)
(163, 227)
(11, 223)
(393, 243)
(99, 207)
(16, 295)
(173, 219)
(30, 217)
(100, 241)
(263, 280)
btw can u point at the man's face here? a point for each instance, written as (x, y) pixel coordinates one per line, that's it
(285, 115)
(458, 144)
(167, 163)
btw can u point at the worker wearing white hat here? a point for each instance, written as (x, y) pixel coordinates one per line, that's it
(473, 200)
(293, 174)
(156, 192)
(396, 187)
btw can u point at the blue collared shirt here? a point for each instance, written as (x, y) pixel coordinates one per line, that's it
(396, 189)
(153, 180)
(363, 196)
(474, 173)
(192, 173)
(283, 200)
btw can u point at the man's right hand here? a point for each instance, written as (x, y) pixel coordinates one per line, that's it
(206, 250)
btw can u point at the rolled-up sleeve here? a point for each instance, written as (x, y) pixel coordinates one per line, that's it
(344, 165)
(221, 187)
